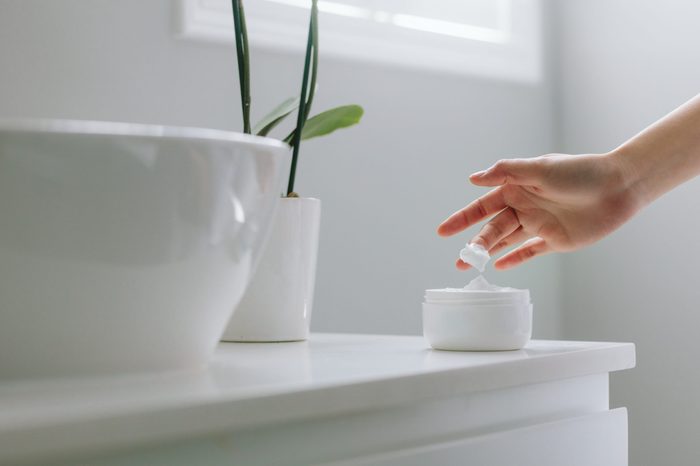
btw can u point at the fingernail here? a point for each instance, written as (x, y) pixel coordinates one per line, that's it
(479, 173)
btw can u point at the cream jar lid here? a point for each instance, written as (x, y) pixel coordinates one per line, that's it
(462, 296)
(480, 292)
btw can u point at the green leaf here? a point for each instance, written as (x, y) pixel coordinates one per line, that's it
(276, 116)
(330, 120)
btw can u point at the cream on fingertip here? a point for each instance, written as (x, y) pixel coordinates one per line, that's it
(475, 255)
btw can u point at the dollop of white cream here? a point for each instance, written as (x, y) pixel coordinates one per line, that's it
(475, 255)
(480, 284)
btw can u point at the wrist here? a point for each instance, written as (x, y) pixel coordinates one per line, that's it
(627, 180)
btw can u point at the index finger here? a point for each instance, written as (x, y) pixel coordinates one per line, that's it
(485, 206)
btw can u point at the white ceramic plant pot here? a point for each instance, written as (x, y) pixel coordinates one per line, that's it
(124, 247)
(278, 302)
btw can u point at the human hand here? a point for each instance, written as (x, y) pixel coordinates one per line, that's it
(555, 202)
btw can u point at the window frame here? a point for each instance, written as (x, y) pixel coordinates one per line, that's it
(513, 52)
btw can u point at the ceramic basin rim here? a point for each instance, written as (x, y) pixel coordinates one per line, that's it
(114, 128)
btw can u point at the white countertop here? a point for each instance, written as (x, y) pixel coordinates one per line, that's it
(250, 385)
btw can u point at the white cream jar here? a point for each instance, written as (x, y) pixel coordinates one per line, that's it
(478, 317)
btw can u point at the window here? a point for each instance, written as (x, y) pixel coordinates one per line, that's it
(492, 38)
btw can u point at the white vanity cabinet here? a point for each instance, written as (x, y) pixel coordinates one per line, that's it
(336, 400)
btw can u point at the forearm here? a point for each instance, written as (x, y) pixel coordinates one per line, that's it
(664, 155)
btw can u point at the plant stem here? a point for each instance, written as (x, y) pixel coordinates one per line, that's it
(243, 57)
(314, 58)
(246, 62)
(303, 104)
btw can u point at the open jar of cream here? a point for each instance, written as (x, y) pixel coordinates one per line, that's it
(478, 317)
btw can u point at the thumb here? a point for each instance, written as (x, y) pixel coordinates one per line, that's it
(510, 171)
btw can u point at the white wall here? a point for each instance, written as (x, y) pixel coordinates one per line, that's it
(385, 184)
(623, 64)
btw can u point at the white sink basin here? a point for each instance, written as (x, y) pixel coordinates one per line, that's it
(126, 248)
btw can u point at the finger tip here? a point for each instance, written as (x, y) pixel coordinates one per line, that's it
(501, 265)
(484, 183)
(487, 179)
(462, 265)
(443, 230)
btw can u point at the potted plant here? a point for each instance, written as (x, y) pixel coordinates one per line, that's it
(278, 302)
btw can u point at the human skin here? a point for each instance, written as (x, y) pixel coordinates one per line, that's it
(559, 202)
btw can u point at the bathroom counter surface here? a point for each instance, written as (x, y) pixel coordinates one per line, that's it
(250, 386)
